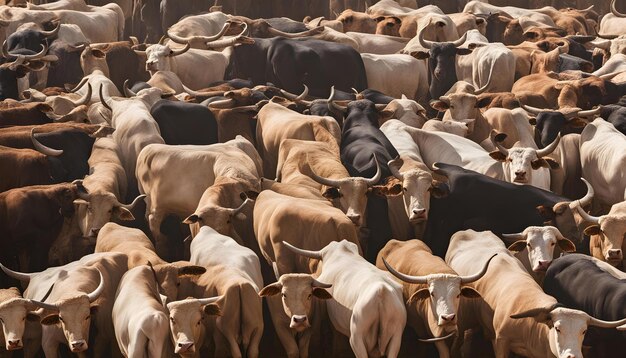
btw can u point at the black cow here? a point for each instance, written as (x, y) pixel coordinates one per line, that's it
(578, 283)
(569, 62)
(549, 123)
(185, 123)
(13, 68)
(30, 39)
(361, 141)
(290, 63)
(471, 200)
(615, 114)
(67, 68)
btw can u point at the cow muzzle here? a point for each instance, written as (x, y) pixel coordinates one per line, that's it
(151, 66)
(185, 348)
(520, 177)
(542, 266)
(299, 322)
(13, 344)
(355, 218)
(93, 232)
(446, 319)
(78, 346)
(614, 255)
(417, 216)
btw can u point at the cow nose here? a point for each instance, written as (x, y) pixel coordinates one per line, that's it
(615, 254)
(355, 218)
(437, 73)
(520, 174)
(14, 344)
(185, 347)
(79, 346)
(448, 317)
(544, 264)
(94, 231)
(299, 319)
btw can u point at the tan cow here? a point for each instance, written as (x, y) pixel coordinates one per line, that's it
(14, 311)
(186, 328)
(431, 289)
(514, 310)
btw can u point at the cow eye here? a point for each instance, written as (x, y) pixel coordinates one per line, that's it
(172, 319)
(284, 295)
(405, 188)
(309, 297)
(432, 294)
(86, 318)
(528, 244)
(554, 243)
(557, 329)
(459, 295)
(198, 323)
(584, 332)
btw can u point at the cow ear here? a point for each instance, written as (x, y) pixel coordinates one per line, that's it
(271, 290)
(97, 53)
(421, 294)
(439, 189)
(531, 34)
(387, 114)
(593, 230)
(517, 246)
(191, 270)
(123, 213)
(498, 155)
(539, 163)
(251, 194)
(191, 219)
(32, 317)
(379, 19)
(463, 51)
(577, 123)
(483, 102)
(93, 309)
(212, 310)
(553, 164)
(532, 121)
(469, 292)
(441, 106)
(546, 212)
(81, 202)
(394, 190)
(566, 245)
(321, 293)
(379, 190)
(50, 320)
(420, 55)
(331, 193)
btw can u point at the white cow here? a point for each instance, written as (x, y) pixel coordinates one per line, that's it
(387, 74)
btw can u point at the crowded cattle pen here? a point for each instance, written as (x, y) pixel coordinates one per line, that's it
(313, 178)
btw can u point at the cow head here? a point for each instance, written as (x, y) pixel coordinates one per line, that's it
(567, 328)
(452, 127)
(354, 21)
(92, 59)
(186, 326)
(550, 122)
(349, 194)
(159, 57)
(98, 208)
(461, 107)
(388, 25)
(416, 185)
(296, 291)
(444, 293)
(406, 111)
(539, 242)
(519, 162)
(14, 310)
(74, 316)
(218, 217)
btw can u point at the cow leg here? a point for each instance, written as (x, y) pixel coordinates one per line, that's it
(358, 345)
(160, 241)
(393, 348)
(303, 343)
(252, 348)
(137, 346)
(501, 347)
(443, 350)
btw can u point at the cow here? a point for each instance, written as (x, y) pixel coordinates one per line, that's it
(186, 328)
(612, 23)
(17, 66)
(185, 123)
(60, 104)
(449, 213)
(14, 311)
(357, 22)
(233, 272)
(549, 123)
(80, 291)
(616, 115)
(509, 294)
(602, 158)
(431, 289)
(574, 280)
(452, 127)
(377, 44)
(367, 304)
(96, 73)
(236, 159)
(406, 111)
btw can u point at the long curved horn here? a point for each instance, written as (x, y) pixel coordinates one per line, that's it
(181, 51)
(83, 193)
(98, 291)
(291, 35)
(614, 10)
(296, 98)
(42, 148)
(102, 100)
(332, 105)
(605, 324)
(423, 42)
(127, 91)
(395, 170)
(497, 144)
(186, 40)
(209, 300)
(484, 88)
(224, 103)
(324, 181)
(376, 178)
(550, 148)
(52, 32)
(477, 276)
(40, 54)
(132, 205)
(591, 112)
(460, 41)
(80, 84)
(404, 277)
(437, 339)
(230, 42)
(317, 283)
(533, 110)
(41, 304)
(586, 200)
(587, 217)
(516, 236)
(243, 205)
(306, 253)
(84, 99)
(20, 276)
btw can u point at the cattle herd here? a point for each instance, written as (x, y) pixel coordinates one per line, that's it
(323, 178)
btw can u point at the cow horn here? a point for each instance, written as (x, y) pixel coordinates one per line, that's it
(587, 9)
(82, 193)
(376, 178)
(296, 98)
(306, 253)
(423, 42)
(477, 276)
(127, 91)
(52, 32)
(186, 40)
(587, 217)
(534, 312)
(317, 283)
(40, 54)
(550, 148)
(395, 170)
(605, 324)
(586, 200)
(80, 84)
(102, 100)
(497, 144)
(591, 112)
(484, 88)
(532, 110)
(132, 205)
(289, 35)
(614, 10)
(98, 291)
(324, 181)
(209, 300)
(243, 205)
(229, 42)
(332, 105)
(460, 41)
(403, 277)
(516, 236)
(181, 51)
(5, 52)
(84, 99)
(224, 103)
(20, 276)
(42, 148)
(437, 339)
